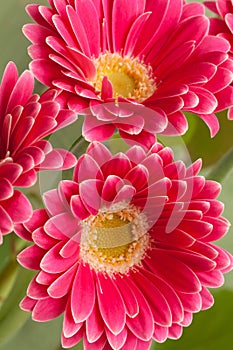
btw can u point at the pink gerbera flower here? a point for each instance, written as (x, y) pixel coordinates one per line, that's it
(222, 26)
(156, 54)
(14, 206)
(125, 249)
(25, 119)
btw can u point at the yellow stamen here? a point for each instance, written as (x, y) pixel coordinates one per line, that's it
(115, 241)
(130, 78)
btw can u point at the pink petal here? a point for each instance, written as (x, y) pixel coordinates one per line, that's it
(186, 281)
(10, 171)
(6, 189)
(18, 207)
(90, 22)
(111, 304)
(36, 290)
(42, 239)
(112, 185)
(31, 257)
(95, 130)
(90, 194)
(78, 208)
(53, 202)
(72, 341)
(8, 82)
(27, 304)
(6, 225)
(177, 124)
(83, 294)
(130, 301)
(48, 309)
(158, 304)
(70, 328)
(22, 90)
(142, 325)
(87, 168)
(61, 286)
(116, 341)
(62, 226)
(94, 325)
(53, 262)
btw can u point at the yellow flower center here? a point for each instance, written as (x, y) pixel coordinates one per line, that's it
(114, 241)
(130, 78)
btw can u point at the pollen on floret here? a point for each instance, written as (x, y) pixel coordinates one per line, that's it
(115, 240)
(130, 78)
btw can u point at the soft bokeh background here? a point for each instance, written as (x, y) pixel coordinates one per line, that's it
(212, 329)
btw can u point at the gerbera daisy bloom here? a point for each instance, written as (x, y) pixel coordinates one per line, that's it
(14, 206)
(222, 26)
(25, 119)
(125, 249)
(156, 54)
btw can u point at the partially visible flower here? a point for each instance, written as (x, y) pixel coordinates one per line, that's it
(25, 119)
(156, 54)
(15, 208)
(222, 26)
(125, 249)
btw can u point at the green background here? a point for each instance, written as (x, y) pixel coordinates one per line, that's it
(210, 330)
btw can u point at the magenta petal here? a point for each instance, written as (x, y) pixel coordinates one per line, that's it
(70, 328)
(130, 301)
(111, 305)
(143, 139)
(10, 171)
(53, 202)
(31, 257)
(142, 325)
(86, 168)
(159, 307)
(72, 341)
(36, 290)
(94, 325)
(22, 90)
(53, 262)
(111, 187)
(61, 226)
(61, 286)
(18, 207)
(6, 225)
(186, 281)
(78, 208)
(126, 193)
(116, 341)
(48, 309)
(160, 333)
(6, 189)
(83, 294)
(90, 194)
(95, 130)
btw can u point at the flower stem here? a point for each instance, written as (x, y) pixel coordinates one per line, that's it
(222, 168)
(79, 146)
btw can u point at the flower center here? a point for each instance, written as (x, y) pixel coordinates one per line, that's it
(129, 77)
(114, 240)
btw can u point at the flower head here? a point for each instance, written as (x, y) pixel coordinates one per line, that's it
(222, 26)
(15, 208)
(125, 249)
(149, 54)
(25, 119)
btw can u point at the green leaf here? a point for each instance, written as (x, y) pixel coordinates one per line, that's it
(7, 279)
(11, 316)
(210, 330)
(210, 149)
